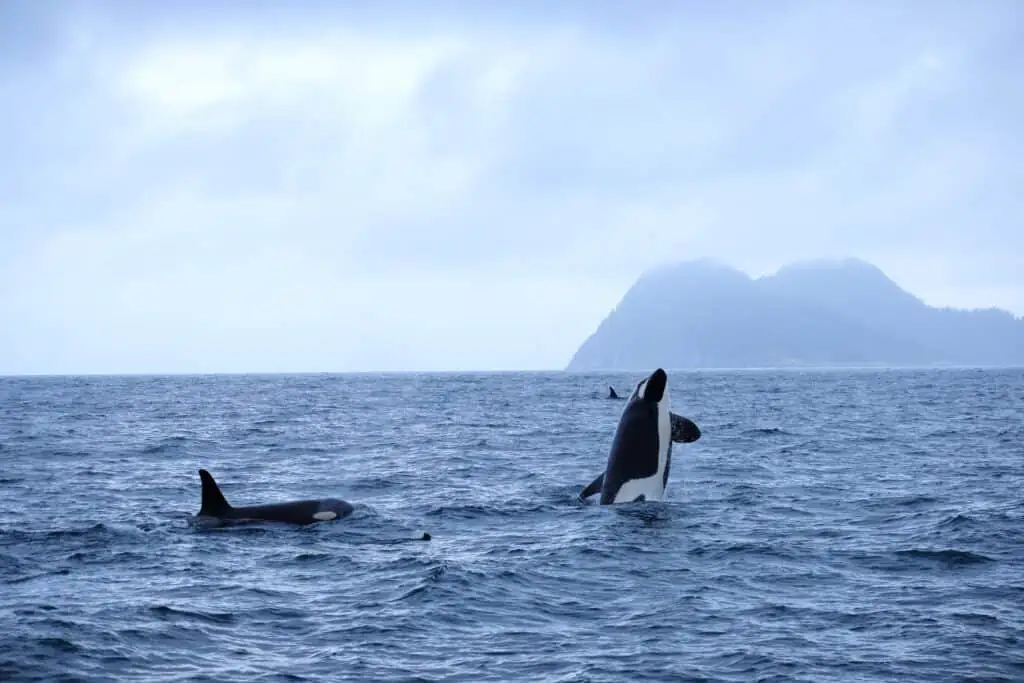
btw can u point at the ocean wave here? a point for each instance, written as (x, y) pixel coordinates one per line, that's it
(947, 557)
(166, 612)
(792, 547)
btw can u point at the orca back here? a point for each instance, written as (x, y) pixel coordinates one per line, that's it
(634, 454)
(216, 506)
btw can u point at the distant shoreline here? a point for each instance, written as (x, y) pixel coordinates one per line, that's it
(835, 314)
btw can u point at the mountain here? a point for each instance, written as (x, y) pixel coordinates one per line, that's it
(701, 314)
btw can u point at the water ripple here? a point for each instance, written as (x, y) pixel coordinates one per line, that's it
(829, 526)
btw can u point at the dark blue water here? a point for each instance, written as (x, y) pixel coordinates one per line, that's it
(829, 526)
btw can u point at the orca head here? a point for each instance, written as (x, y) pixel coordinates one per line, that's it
(339, 508)
(653, 388)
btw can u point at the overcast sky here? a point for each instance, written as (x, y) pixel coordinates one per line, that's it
(278, 186)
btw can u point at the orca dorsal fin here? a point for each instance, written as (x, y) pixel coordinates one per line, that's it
(611, 393)
(214, 502)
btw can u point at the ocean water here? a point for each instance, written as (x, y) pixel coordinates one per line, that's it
(828, 526)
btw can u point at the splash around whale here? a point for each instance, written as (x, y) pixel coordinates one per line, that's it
(216, 511)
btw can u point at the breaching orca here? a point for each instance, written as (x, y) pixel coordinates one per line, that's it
(641, 451)
(215, 507)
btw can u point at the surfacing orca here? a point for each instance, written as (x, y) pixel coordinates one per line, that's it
(641, 452)
(612, 394)
(215, 507)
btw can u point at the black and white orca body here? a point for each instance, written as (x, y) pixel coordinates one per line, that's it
(215, 508)
(641, 453)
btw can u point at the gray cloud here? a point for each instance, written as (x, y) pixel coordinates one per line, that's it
(231, 172)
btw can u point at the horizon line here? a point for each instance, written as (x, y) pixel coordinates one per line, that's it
(535, 371)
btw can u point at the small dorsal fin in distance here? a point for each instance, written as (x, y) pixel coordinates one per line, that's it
(611, 393)
(684, 430)
(214, 502)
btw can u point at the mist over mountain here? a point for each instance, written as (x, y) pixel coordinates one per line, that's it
(702, 314)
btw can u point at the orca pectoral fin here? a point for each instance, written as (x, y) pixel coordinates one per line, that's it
(593, 487)
(684, 430)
